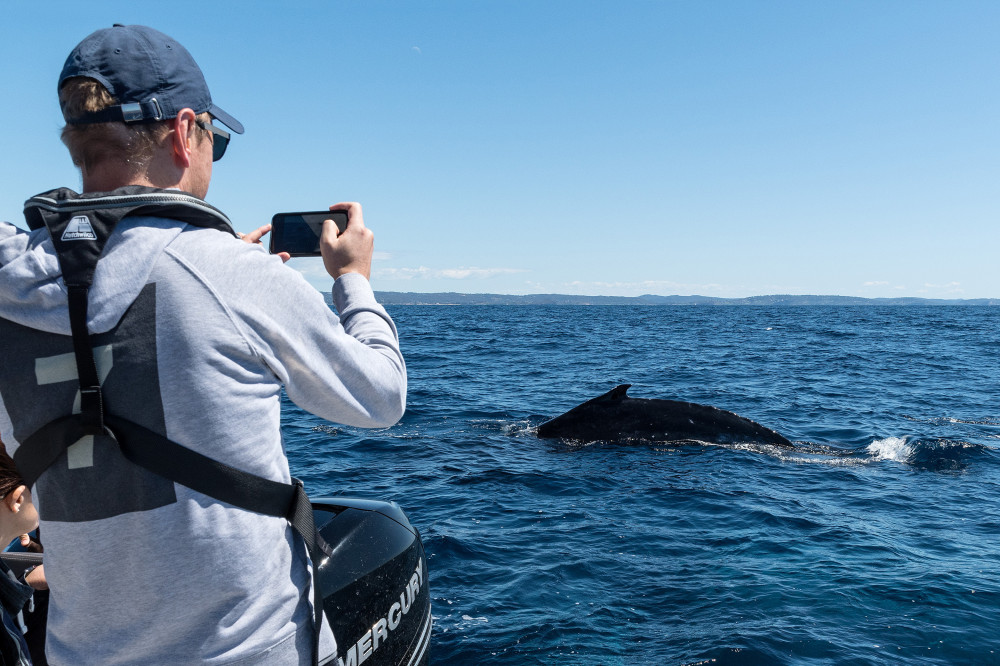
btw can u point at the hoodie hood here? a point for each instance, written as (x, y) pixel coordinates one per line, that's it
(128, 229)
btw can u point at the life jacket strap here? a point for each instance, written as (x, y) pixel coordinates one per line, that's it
(91, 398)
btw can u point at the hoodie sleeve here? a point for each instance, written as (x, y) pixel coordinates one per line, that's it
(346, 369)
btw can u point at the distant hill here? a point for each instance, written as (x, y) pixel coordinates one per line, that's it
(451, 298)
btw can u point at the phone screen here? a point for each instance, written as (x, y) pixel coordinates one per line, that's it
(298, 233)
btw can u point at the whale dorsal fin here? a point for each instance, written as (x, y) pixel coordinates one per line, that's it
(619, 392)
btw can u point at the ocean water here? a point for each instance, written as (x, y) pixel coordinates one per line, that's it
(875, 541)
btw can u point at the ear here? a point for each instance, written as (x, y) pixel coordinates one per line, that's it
(183, 137)
(15, 499)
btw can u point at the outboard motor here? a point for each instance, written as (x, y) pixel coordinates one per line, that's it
(374, 582)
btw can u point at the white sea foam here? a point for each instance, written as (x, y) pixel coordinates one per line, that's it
(891, 448)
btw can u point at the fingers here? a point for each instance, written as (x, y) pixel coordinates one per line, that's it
(330, 232)
(30, 545)
(351, 250)
(254, 236)
(354, 216)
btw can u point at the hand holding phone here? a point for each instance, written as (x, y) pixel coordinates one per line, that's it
(299, 234)
(350, 251)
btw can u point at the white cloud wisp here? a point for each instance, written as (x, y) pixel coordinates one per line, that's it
(423, 272)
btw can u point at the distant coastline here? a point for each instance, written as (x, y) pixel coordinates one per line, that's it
(452, 298)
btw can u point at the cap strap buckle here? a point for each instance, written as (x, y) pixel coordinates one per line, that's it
(137, 112)
(132, 112)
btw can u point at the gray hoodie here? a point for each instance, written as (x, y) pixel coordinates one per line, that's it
(195, 334)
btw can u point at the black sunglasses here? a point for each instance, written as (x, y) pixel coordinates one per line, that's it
(220, 139)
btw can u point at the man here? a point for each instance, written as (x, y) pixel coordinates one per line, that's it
(190, 335)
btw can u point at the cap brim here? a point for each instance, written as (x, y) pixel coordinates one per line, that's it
(226, 119)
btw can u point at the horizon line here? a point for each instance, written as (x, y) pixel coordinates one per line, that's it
(680, 297)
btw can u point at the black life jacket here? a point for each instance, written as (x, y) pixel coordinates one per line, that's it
(80, 225)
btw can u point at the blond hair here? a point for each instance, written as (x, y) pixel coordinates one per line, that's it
(91, 145)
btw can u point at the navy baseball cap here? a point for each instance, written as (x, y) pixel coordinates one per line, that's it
(151, 75)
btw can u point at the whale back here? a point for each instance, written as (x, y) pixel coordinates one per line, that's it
(616, 417)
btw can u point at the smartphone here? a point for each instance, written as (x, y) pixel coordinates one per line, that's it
(298, 233)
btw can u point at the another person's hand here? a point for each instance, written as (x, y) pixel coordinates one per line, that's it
(350, 251)
(36, 578)
(255, 236)
(30, 544)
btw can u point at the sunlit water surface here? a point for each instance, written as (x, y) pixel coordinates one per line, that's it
(874, 542)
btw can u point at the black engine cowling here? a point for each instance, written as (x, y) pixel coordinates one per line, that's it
(374, 583)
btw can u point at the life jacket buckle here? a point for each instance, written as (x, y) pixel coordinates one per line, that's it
(92, 410)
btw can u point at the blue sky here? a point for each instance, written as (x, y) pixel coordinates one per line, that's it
(720, 148)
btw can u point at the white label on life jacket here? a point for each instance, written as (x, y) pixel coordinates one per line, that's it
(79, 228)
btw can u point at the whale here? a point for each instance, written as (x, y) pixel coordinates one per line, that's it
(615, 417)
